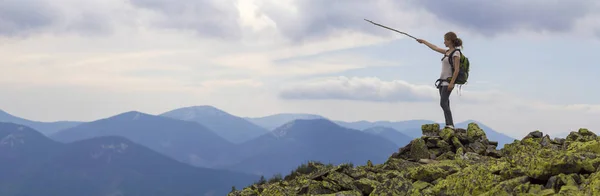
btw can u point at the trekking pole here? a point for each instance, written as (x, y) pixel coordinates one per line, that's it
(391, 29)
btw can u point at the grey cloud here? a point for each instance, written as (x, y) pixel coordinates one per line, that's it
(214, 18)
(505, 16)
(311, 19)
(90, 24)
(317, 18)
(363, 89)
(22, 17)
(372, 89)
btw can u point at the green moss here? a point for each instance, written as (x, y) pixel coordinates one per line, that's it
(460, 153)
(456, 142)
(475, 133)
(546, 192)
(399, 164)
(535, 188)
(395, 186)
(472, 180)
(515, 186)
(420, 185)
(532, 142)
(570, 190)
(589, 146)
(429, 173)
(477, 148)
(583, 135)
(446, 156)
(340, 181)
(586, 132)
(535, 165)
(249, 192)
(592, 184)
(345, 193)
(366, 186)
(419, 149)
(430, 129)
(330, 186)
(525, 188)
(543, 168)
(277, 190)
(315, 187)
(420, 188)
(444, 146)
(447, 134)
(511, 172)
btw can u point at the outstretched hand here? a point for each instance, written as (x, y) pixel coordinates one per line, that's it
(420, 41)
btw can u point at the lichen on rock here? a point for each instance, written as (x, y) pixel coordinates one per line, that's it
(457, 162)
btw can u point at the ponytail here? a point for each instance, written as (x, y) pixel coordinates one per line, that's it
(457, 42)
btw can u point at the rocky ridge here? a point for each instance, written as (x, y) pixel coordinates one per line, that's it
(456, 162)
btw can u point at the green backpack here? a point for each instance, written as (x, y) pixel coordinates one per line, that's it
(463, 72)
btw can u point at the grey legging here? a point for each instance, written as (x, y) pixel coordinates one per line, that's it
(445, 103)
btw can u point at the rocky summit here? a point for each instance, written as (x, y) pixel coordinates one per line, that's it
(455, 162)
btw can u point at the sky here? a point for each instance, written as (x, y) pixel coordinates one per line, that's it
(532, 65)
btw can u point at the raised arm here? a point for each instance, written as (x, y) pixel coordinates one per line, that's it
(433, 47)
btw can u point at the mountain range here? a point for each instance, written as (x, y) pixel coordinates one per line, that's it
(205, 137)
(46, 128)
(241, 129)
(400, 139)
(300, 141)
(271, 122)
(184, 141)
(410, 128)
(232, 128)
(33, 164)
(273, 152)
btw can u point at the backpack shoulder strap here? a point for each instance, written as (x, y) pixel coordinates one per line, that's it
(451, 59)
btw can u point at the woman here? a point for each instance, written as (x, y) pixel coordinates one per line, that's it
(452, 42)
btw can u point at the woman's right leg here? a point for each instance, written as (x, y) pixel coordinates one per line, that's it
(445, 103)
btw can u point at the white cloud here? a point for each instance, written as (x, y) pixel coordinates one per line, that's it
(589, 25)
(365, 89)
(377, 90)
(134, 53)
(216, 85)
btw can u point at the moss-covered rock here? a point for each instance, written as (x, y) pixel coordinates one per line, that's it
(393, 186)
(430, 129)
(431, 172)
(475, 133)
(457, 162)
(447, 134)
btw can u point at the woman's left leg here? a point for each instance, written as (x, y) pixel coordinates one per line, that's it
(445, 103)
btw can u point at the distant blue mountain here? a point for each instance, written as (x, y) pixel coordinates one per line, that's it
(46, 128)
(273, 121)
(391, 134)
(300, 141)
(184, 141)
(32, 164)
(230, 127)
(411, 128)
